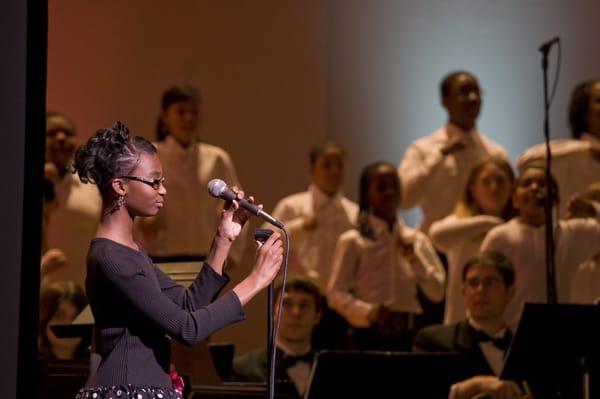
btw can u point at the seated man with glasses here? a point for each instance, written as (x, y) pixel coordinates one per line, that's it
(483, 338)
(300, 313)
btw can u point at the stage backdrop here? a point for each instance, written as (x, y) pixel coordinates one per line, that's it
(386, 59)
(278, 76)
(12, 111)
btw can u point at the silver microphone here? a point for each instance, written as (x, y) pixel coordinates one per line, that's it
(218, 189)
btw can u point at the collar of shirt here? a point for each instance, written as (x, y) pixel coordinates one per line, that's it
(320, 199)
(533, 229)
(65, 185)
(399, 230)
(466, 136)
(178, 151)
(287, 351)
(381, 227)
(477, 326)
(493, 355)
(68, 179)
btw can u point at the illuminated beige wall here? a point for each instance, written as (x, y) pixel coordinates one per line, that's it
(261, 67)
(278, 76)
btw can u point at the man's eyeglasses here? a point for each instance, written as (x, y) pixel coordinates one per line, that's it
(486, 282)
(154, 183)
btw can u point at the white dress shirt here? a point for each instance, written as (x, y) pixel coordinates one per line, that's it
(494, 356)
(73, 224)
(585, 288)
(459, 238)
(435, 181)
(572, 165)
(576, 240)
(188, 221)
(369, 273)
(299, 373)
(312, 249)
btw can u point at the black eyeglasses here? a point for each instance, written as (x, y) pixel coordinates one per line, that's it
(154, 183)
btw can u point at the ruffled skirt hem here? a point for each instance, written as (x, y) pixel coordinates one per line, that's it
(128, 392)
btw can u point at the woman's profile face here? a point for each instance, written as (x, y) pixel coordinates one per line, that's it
(181, 121)
(144, 190)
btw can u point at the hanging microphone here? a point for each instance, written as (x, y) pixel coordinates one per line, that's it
(218, 189)
(546, 46)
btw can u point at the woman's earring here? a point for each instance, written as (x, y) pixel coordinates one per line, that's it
(118, 204)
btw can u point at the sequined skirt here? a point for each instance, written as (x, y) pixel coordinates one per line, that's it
(128, 392)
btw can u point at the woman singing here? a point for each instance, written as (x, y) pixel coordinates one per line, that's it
(137, 308)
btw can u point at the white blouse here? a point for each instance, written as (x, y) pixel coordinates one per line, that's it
(459, 238)
(188, 221)
(312, 249)
(572, 165)
(73, 224)
(369, 273)
(585, 288)
(576, 240)
(434, 181)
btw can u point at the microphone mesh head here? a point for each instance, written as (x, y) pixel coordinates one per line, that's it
(216, 187)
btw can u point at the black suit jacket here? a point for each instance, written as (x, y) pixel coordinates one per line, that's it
(253, 367)
(458, 338)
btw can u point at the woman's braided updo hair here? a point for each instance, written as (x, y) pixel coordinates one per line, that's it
(110, 153)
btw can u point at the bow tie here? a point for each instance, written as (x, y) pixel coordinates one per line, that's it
(501, 343)
(288, 361)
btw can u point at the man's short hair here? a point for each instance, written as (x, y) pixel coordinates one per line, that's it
(446, 83)
(301, 283)
(495, 260)
(319, 149)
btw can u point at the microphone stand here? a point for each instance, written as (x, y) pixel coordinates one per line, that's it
(270, 340)
(273, 327)
(551, 196)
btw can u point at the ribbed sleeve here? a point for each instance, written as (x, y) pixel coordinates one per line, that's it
(137, 308)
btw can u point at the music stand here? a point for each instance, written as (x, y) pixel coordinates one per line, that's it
(555, 347)
(81, 327)
(370, 374)
(181, 268)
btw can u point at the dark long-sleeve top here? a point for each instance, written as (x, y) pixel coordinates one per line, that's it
(138, 309)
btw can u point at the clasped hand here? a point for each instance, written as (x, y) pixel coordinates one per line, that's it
(233, 217)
